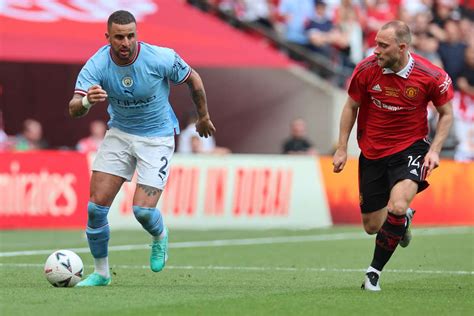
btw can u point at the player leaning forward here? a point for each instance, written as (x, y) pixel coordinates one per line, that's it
(135, 77)
(388, 94)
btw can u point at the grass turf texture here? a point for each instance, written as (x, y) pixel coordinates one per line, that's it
(311, 278)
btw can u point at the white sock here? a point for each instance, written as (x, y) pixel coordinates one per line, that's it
(101, 266)
(371, 269)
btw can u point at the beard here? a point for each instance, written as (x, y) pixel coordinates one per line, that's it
(387, 62)
(130, 51)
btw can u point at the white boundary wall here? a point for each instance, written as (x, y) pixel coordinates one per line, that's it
(236, 191)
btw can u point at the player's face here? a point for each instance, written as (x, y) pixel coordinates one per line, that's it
(123, 40)
(388, 50)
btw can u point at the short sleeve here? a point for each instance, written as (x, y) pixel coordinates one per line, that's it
(357, 86)
(442, 92)
(179, 71)
(88, 76)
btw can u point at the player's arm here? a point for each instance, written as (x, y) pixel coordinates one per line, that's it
(80, 104)
(204, 125)
(348, 117)
(442, 131)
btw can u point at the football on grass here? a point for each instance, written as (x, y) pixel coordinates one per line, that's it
(63, 268)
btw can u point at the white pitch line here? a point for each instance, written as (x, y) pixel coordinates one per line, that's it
(248, 241)
(228, 268)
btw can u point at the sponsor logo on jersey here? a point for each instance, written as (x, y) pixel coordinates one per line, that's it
(127, 82)
(132, 104)
(389, 107)
(392, 92)
(411, 92)
(377, 88)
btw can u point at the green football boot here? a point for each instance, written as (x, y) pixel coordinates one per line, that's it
(95, 279)
(159, 253)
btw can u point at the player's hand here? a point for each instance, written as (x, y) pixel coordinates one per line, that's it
(339, 160)
(96, 94)
(431, 162)
(204, 127)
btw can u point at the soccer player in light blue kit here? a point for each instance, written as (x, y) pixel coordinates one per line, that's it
(135, 77)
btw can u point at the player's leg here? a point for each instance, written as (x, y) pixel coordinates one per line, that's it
(112, 166)
(153, 167)
(391, 232)
(373, 221)
(394, 227)
(103, 188)
(149, 216)
(374, 191)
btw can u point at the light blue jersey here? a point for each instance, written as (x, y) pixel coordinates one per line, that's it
(138, 92)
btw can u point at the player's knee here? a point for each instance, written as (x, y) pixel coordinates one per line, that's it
(371, 228)
(398, 207)
(100, 199)
(97, 215)
(143, 214)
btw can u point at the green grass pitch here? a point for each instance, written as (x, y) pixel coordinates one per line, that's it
(267, 272)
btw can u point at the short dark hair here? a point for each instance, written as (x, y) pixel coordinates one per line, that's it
(402, 31)
(121, 17)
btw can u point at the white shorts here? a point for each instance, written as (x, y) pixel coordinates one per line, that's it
(121, 153)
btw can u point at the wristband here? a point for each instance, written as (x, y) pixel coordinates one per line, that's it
(86, 103)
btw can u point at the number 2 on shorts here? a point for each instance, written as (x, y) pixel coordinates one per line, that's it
(162, 172)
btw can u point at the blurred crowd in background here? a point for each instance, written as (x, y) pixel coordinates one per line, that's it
(340, 33)
(343, 31)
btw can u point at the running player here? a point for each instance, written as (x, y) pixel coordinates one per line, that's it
(388, 94)
(135, 78)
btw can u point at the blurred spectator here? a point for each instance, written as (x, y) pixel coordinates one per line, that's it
(295, 14)
(319, 30)
(467, 31)
(463, 105)
(415, 7)
(349, 22)
(298, 143)
(424, 43)
(256, 11)
(31, 137)
(442, 11)
(378, 13)
(92, 142)
(467, 9)
(191, 143)
(427, 46)
(451, 50)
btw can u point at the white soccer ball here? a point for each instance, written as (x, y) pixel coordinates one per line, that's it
(63, 268)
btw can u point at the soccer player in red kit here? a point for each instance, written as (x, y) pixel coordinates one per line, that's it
(388, 95)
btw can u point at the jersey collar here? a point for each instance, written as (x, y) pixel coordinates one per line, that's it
(405, 72)
(137, 51)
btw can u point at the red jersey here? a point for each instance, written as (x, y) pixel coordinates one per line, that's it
(393, 106)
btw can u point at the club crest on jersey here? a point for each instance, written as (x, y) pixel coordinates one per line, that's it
(411, 92)
(127, 82)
